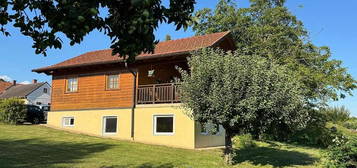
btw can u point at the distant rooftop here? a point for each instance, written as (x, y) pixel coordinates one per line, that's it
(20, 90)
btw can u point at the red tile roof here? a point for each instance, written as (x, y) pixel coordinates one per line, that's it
(4, 85)
(167, 48)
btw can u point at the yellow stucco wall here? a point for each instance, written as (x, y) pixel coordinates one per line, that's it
(186, 132)
(91, 121)
(183, 126)
(208, 140)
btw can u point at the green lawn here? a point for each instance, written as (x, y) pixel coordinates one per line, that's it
(38, 146)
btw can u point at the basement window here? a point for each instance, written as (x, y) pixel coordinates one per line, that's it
(110, 124)
(68, 121)
(164, 124)
(209, 126)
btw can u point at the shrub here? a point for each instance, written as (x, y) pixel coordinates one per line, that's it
(317, 132)
(351, 124)
(342, 154)
(337, 114)
(244, 141)
(12, 111)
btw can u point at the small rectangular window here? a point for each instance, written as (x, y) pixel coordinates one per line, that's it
(68, 121)
(164, 124)
(45, 90)
(211, 126)
(112, 82)
(72, 85)
(110, 124)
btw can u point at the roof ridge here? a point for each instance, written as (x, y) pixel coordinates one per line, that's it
(185, 38)
(195, 36)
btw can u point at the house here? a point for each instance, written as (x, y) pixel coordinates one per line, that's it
(97, 94)
(36, 93)
(4, 85)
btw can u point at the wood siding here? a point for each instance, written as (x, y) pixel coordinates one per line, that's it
(92, 92)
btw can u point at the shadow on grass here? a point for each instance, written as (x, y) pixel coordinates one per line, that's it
(145, 165)
(272, 156)
(39, 153)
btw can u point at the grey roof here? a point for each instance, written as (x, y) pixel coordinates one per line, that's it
(20, 91)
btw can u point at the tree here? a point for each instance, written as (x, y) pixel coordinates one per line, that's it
(129, 23)
(268, 29)
(243, 93)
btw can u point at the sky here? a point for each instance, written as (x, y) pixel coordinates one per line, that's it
(330, 23)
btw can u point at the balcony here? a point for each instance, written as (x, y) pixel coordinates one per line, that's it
(158, 93)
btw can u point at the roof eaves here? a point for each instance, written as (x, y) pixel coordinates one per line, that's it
(112, 61)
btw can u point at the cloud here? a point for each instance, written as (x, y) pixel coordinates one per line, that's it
(25, 82)
(5, 77)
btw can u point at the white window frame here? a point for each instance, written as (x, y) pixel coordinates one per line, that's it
(155, 123)
(108, 82)
(69, 117)
(104, 122)
(72, 87)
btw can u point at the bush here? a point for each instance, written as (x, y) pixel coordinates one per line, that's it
(12, 111)
(317, 132)
(342, 154)
(351, 124)
(244, 141)
(337, 114)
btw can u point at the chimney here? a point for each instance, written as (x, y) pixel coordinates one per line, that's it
(34, 81)
(14, 82)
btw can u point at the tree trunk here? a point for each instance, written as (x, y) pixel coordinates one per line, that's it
(228, 151)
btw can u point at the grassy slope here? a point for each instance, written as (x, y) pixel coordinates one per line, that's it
(37, 146)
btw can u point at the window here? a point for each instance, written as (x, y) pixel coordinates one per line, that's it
(68, 121)
(164, 125)
(110, 124)
(44, 90)
(204, 128)
(112, 82)
(72, 85)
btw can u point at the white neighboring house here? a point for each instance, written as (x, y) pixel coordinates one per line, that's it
(36, 93)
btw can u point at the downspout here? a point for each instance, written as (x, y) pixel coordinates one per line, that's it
(134, 101)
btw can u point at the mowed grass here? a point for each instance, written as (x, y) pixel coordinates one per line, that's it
(41, 147)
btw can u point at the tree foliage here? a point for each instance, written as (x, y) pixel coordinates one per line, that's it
(244, 94)
(268, 29)
(337, 115)
(129, 23)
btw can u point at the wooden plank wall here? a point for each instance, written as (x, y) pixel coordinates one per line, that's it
(92, 93)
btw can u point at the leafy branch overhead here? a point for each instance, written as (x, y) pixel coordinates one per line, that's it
(267, 28)
(129, 23)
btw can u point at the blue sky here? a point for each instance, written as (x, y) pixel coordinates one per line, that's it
(329, 23)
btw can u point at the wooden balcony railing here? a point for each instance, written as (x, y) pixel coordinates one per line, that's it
(158, 93)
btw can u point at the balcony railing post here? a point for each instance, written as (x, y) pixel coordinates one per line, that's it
(154, 94)
(172, 89)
